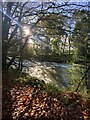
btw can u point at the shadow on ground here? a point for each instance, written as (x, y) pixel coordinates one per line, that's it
(6, 97)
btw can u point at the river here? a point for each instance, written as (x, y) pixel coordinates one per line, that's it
(61, 75)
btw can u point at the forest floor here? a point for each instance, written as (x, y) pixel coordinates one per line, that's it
(38, 101)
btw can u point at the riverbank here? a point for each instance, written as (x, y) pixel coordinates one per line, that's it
(27, 98)
(61, 74)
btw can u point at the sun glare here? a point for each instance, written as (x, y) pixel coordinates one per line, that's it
(26, 30)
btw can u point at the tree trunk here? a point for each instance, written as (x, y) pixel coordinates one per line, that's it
(5, 30)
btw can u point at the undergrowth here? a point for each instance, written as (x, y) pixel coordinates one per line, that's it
(31, 99)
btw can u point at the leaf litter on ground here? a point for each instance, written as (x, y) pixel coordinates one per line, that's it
(33, 102)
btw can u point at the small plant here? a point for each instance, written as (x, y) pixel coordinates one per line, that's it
(52, 88)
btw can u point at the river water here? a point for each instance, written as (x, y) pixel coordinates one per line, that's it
(61, 75)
